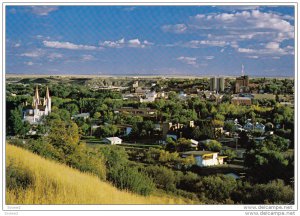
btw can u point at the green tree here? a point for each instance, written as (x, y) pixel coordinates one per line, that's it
(106, 131)
(268, 160)
(170, 145)
(72, 108)
(97, 115)
(15, 123)
(163, 177)
(217, 187)
(213, 145)
(230, 154)
(25, 128)
(229, 126)
(64, 136)
(183, 145)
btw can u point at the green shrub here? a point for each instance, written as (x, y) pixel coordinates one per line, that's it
(274, 192)
(17, 177)
(163, 177)
(213, 145)
(188, 182)
(217, 187)
(129, 178)
(122, 175)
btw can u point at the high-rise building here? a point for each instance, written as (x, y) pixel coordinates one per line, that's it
(221, 84)
(241, 84)
(217, 84)
(213, 84)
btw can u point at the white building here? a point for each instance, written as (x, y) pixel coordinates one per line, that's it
(112, 140)
(260, 127)
(149, 97)
(248, 126)
(33, 113)
(257, 126)
(194, 143)
(81, 115)
(205, 158)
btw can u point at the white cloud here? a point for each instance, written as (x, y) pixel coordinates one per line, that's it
(113, 44)
(242, 25)
(248, 22)
(30, 63)
(246, 50)
(253, 57)
(147, 43)
(43, 10)
(209, 57)
(272, 45)
(177, 28)
(271, 49)
(238, 8)
(133, 43)
(188, 60)
(199, 43)
(87, 58)
(234, 44)
(17, 45)
(34, 54)
(67, 45)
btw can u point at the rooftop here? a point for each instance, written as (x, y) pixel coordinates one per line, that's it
(198, 153)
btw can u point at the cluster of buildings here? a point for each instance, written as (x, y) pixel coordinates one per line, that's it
(40, 107)
(217, 84)
(143, 95)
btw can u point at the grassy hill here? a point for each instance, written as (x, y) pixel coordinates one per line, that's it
(31, 179)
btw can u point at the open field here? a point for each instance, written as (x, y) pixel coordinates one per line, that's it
(48, 182)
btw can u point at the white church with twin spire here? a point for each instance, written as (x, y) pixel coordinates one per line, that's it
(40, 107)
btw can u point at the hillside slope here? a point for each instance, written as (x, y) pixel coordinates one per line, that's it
(32, 179)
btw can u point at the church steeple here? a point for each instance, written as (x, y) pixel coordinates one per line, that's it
(47, 100)
(36, 95)
(36, 98)
(47, 93)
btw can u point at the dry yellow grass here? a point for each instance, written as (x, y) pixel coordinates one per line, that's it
(55, 183)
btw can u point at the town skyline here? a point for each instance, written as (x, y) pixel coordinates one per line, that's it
(150, 40)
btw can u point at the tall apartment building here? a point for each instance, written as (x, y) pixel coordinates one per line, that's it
(221, 84)
(217, 84)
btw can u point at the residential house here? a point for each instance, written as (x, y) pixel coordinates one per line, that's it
(259, 127)
(112, 140)
(248, 126)
(81, 115)
(205, 158)
(124, 129)
(149, 97)
(194, 143)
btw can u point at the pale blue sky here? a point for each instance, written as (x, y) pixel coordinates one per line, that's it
(150, 40)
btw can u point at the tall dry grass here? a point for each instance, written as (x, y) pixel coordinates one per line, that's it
(54, 183)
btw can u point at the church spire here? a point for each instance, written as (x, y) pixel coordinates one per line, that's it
(36, 95)
(47, 93)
